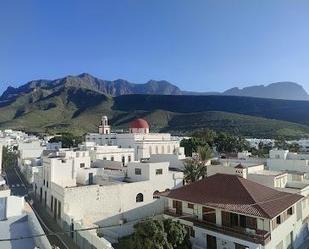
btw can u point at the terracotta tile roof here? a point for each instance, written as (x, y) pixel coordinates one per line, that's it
(236, 194)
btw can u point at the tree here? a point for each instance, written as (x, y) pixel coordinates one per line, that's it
(294, 147)
(157, 234)
(194, 169)
(9, 158)
(281, 144)
(191, 145)
(204, 153)
(262, 150)
(68, 140)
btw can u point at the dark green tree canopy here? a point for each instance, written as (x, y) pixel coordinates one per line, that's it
(157, 234)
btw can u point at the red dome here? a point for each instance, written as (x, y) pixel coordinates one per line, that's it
(139, 123)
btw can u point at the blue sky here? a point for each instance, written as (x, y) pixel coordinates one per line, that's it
(200, 45)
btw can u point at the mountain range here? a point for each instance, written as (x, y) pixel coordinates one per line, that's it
(76, 103)
(278, 90)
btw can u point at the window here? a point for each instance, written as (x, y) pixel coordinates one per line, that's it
(112, 158)
(157, 150)
(139, 197)
(59, 209)
(211, 242)
(234, 219)
(90, 178)
(129, 158)
(82, 165)
(278, 220)
(290, 211)
(138, 171)
(155, 194)
(44, 182)
(174, 204)
(52, 203)
(159, 171)
(190, 205)
(168, 149)
(162, 149)
(104, 158)
(209, 214)
(150, 150)
(47, 184)
(242, 221)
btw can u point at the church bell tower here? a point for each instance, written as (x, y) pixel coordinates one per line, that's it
(104, 127)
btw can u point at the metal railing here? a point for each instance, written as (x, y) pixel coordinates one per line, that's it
(259, 237)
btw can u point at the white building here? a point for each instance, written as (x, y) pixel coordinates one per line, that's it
(254, 142)
(76, 192)
(144, 143)
(29, 157)
(18, 220)
(285, 160)
(109, 152)
(231, 212)
(1, 151)
(303, 143)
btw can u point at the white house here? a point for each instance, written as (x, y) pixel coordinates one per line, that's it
(231, 212)
(76, 192)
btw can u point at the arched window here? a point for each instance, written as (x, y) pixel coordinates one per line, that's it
(155, 194)
(157, 150)
(139, 197)
(162, 150)
(168, 149)
(150, 150)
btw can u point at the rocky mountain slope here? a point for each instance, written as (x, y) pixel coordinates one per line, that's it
(279, 90)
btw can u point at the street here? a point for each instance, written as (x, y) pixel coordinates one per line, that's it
(17, 187)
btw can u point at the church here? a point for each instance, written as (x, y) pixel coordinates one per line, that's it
(139, 137)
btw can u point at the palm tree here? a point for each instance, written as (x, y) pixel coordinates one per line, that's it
(191, 173)
(195, 168)
(204, 153)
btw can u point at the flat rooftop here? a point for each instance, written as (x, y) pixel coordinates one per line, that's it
(268, 173)
(16, 227)
(297, 184)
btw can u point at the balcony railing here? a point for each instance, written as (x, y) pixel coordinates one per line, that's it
(258, 237)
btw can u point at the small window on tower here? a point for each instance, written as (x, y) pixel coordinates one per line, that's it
(159, 171)
(138, 171)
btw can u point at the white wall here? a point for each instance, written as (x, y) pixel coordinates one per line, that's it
(14, 205)
(293, 165)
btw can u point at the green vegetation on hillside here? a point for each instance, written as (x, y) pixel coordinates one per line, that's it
(78, 110)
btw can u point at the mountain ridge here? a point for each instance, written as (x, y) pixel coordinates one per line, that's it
(278, 90)
(71, 108)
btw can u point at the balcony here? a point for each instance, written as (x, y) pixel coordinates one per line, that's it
(258, 237)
